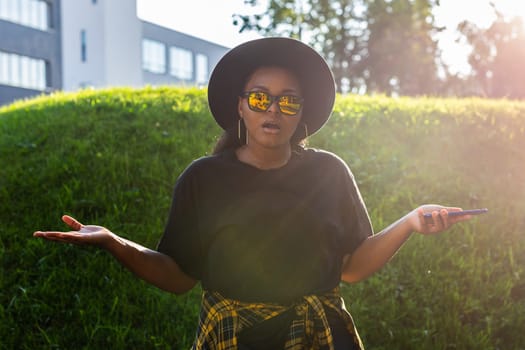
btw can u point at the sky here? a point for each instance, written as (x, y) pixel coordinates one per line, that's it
(212, 20)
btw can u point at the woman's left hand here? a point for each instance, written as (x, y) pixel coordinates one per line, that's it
(440, 220)
(378, 249)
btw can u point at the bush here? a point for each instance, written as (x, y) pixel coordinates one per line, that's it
(111, 157)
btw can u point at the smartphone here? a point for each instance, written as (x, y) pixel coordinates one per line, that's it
(462, 212)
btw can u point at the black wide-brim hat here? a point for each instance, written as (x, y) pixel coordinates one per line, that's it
(234, 68)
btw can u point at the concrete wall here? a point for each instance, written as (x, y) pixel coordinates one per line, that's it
(81, 15)
(113, 43)
(123, 51)
(10, 94)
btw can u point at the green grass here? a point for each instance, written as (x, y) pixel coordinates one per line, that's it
(111, 157)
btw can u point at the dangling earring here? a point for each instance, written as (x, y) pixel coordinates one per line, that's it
(239, 129)
(305, 131)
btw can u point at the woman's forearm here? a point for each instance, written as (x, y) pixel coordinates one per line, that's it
(152, 266)
(376, 251)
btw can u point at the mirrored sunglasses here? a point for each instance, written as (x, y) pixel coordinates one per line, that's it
(260, 101)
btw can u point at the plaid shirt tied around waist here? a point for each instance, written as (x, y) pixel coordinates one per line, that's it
(222, 320)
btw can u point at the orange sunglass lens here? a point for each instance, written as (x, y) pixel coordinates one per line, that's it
(289, 105)
(259, 101)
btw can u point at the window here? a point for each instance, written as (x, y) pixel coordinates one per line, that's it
(31, 13)
(14, 65)
(202, 69)
(181, 63)
(4, 68)
(153, 56)
(83, 47)
(22, 71)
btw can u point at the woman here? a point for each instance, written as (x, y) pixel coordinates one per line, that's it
(268, 227)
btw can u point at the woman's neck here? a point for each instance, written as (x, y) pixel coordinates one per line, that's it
(264, 158)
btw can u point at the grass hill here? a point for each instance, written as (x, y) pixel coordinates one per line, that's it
(111, 157)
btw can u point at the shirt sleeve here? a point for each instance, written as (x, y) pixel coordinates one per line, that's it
(355, 215)
(181, 240)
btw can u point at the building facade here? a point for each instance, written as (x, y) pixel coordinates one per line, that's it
(30, 48)
(48, 45)
(170, 57)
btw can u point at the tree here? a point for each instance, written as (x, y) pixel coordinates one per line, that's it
(402, 55)
(383, 46)
(282, 17)
(497, 56)
(334, 28)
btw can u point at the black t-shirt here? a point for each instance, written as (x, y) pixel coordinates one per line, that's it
(265, 235)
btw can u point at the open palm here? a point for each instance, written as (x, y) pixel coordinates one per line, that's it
(81, 234)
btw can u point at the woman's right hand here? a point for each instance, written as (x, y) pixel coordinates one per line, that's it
(81, 234)
(150, 265)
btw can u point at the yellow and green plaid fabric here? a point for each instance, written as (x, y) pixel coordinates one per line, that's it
(222, 319)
